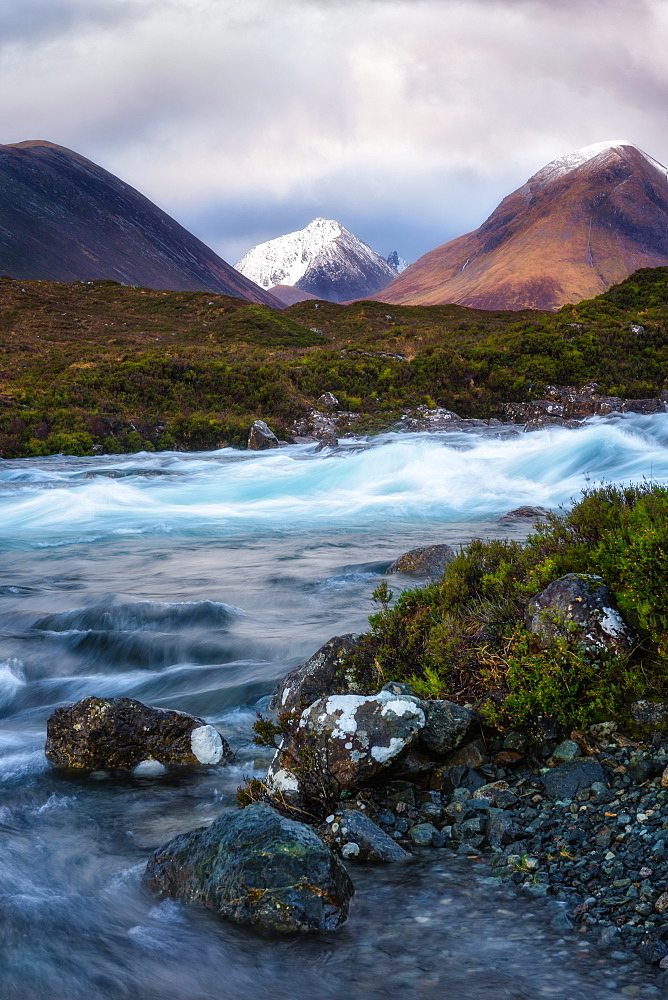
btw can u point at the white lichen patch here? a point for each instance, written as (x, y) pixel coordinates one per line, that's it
(206, 744)
(149, 768)
(612, 623)
(283, 781)
(350, 850)
(383, 754)
(401, 707)
(345, 706)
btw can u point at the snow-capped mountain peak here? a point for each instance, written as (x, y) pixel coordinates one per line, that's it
(286, 259)
(396, 262)
(571, 161)
(324, 259)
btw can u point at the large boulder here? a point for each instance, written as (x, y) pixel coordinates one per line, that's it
(429, 560)
(261, 437)
(354, 835)
(349, 739)
(121, 733)
(525, 513)
(583, 601)
(447, 726)
(322, 674)
(258, 868)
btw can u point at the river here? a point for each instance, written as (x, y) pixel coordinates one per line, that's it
(194, 582)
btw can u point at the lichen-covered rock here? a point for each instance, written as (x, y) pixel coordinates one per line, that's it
(353, 737)
(354, 835)
(649, 713)
(327, 401)
(429, 560)
(258, 868)
(121, 733)
(322, 674)
(447, 726)
(583, 601)
(261, 437)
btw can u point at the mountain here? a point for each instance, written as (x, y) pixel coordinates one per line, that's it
(289, 295)
(396, 262)
(66, 219)
(324, 259)
(578, 226)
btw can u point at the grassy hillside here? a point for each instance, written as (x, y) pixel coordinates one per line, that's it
(100, 364)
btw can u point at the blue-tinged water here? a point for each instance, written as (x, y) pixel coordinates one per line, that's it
(194, 582)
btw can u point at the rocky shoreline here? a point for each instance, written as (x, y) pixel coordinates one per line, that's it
(563, 406)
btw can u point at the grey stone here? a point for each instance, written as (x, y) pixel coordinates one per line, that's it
(585, 602)
(422, 834)
(122, 733)
(649, 713)
(460, 776)
(261, 437)
(322, 674)
(525, 513)
(258, 868)
(354, 834)
(470, 755)
(429, 560)
(568, 750)
(566, 780)
(327, 401)
(447, 726)
(353, 737)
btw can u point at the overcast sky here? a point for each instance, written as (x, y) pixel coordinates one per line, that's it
(406, 120)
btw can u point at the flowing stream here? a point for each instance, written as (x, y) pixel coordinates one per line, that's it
(194, 582)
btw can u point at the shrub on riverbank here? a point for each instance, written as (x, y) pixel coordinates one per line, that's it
(464, 636)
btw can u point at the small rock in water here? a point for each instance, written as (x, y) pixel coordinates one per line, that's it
(359, 838)
(261, 437)
(255, 867)
(429, 560)
(121, 733)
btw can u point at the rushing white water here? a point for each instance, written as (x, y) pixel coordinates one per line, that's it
(392, 479)
(194, 582)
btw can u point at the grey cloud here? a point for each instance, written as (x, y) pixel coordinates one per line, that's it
(407, 119)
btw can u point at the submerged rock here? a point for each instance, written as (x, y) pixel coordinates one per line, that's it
(429, 560)
(352, 738)
(322, 674)
(121, 733)
(584, 601)
(261, 437)
(353, 834)
(258, 868)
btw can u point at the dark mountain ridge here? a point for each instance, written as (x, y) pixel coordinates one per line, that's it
(64, 218)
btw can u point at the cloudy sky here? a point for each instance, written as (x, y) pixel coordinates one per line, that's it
(406, 120)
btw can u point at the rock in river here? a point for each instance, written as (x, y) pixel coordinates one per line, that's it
(429, 560)
(322, 674)
(261, 437)
(121, 733)
(256, 867)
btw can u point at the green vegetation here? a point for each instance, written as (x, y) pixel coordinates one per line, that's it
(463, 637)
(100, 365)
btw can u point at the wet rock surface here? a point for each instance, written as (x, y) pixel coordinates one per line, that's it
(261, 437)
(320, 675)
(357, 838)
(568, 406)
(256, 867)
(121, 733)
(585, 602)
(525, 513)
(429, 560)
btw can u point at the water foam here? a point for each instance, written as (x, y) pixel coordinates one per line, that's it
(393, 478)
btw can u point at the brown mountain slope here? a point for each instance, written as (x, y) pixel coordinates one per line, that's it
(63, 218)
(578, 226)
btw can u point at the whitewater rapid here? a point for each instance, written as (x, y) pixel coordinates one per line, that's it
(391, 479)
(194, 582)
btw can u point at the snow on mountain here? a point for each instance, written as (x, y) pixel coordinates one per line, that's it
(571, 161)
(397, 263)
(324, 259)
